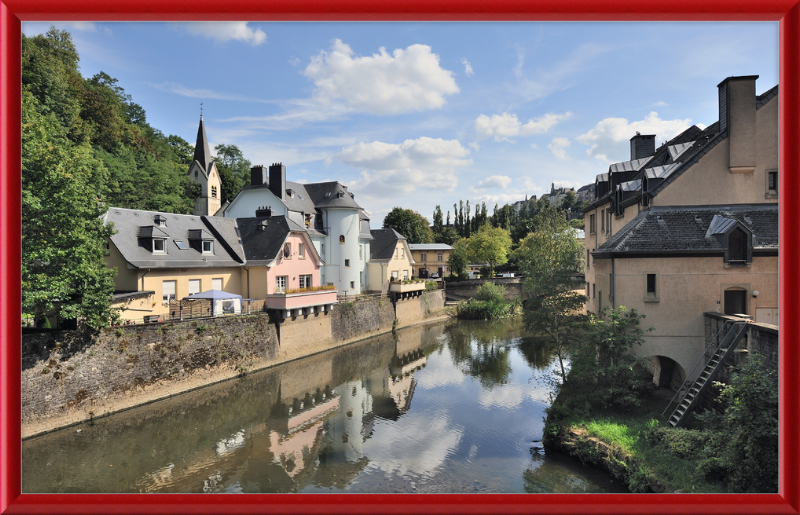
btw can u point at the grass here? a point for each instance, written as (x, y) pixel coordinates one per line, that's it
(628, 430)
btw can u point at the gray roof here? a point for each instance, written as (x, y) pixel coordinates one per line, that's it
(685, 229)
(629, 166)
(135, 248)
(766, 96)
(261, 247)
(331, 195)
(202, 153)
(429, 246)
(383, 244)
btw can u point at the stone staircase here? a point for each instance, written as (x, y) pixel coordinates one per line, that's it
(706, 377)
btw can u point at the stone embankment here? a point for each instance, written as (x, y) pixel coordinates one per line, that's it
(72, 376)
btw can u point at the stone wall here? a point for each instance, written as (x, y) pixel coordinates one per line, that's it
(69, 376)
(83, 370)
(462, 290)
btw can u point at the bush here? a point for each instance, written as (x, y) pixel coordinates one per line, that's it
(431, 285)
(490, 292)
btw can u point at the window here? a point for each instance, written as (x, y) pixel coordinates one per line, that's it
(228, 307)
(352, 285)
(208, 247)
(424, 257)
(301, 250)
(168, 291)
(593, 290)
(280, 283)
(395, 253)
(216, 284)
(587, 289)
(608, 225)
(158, 246)
(591, 224)
(405, 275)
(107, 248)
(195, 174)
(347, 263)
(287, 251)
(181, 245)
(737, 246)
(322, 248)
(341, 238)
(403, 253)
(305, 281)
(213, 192)
(440, 257)
(603, 220)
(650, 287)
(587, 258)
(772, 184)
(194, 286)
(308, 220)
(360, 254)
(394, 274)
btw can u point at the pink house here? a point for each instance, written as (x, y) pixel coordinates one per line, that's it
(283, 267)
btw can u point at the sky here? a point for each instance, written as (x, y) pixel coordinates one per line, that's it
(423, 114)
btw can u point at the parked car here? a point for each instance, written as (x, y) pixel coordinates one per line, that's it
(434, 276)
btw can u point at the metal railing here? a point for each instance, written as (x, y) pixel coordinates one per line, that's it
(703, 359)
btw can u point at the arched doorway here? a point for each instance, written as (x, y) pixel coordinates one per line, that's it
(668, 373)
(735, 300)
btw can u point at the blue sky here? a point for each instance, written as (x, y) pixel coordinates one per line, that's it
(420, 114)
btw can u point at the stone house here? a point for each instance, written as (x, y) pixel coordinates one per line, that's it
(691, 227)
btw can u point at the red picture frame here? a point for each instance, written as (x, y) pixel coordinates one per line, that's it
(12, 12)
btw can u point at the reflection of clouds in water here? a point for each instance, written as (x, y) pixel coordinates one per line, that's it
(510, 396)
(229, 445)
(417, 446)
(439, 372)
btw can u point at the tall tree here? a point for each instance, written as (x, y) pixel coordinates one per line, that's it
(448, 218)
(489, 245)
(458, 261)
(63, 234)
(410, 224)
(234, 170)
(549, 257)
(467, 226)
(437, 220)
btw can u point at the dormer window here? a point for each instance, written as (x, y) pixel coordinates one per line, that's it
(772, 184)
(208, 247)
(159, 246)
(341, 194)
(737, 246)
(160, 221)
(735, 238)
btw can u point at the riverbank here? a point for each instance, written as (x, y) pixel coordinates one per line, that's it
(74, 377)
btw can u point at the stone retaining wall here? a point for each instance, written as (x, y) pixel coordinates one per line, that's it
(70, 376)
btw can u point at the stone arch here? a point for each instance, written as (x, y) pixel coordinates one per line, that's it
(667, 373)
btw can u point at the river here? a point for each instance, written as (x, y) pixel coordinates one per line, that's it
(453, 407)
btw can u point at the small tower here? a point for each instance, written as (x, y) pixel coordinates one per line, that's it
(204, 171)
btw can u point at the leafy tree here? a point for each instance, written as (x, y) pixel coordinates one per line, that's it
(489, 245)
(549, 257)
(182, 149)
(448, 236)
(437, 221)
(62, 231)
(458, 262)
(234, 170)
(410, 224)
(467, 222)
(490, 291)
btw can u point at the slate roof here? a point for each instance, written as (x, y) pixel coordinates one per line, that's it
(128, 224)
(262, 247)
(383, 244)
(671, 230)
(202, 153)
(363, 226)
(331, 195)
(766, 96)
(429, 246)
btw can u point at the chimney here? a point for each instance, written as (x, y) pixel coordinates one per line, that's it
(642, 145)
(277, 180)
(258, 175)
(264, 212)
(737, 115)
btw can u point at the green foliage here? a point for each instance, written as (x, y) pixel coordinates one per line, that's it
(457, 262)
(234, 170)
(62, 230)
(410, 224)
(430, 286)
(448, 236)
(490, 291)
(478, 357)
(438, 224)
(489, 245)
(473, 309)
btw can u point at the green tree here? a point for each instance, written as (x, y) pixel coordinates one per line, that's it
(448, 236)
(489, 245)
(549, 257)
(63, 234)
(458, 262)
(182, 149)
(437, 221)
(410, 224)
(234, 170)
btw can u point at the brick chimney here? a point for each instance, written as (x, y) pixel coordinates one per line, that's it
(277, 180)
(737, 115)
(642, 145)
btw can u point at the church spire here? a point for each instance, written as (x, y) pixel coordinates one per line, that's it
(202, 154)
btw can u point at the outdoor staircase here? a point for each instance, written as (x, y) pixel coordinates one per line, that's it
(731, 340)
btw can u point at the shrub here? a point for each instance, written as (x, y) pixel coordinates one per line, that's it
(490, 292)
(431, 285)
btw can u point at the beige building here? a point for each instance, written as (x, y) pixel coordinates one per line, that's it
(430, 258)
(204, 172)
(390, 257)
(690, 227)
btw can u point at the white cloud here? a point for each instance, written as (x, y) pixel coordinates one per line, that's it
(546, 82)
(474, 145)
(384, 84)
(505, 126)
(559, 147)
(294, 61)
(180, 89)
(495, 181)
(608, 140)
(392, 169)
(660, 103)
(467, 67)
(226, 31)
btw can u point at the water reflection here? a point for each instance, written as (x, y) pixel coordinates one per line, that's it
(439, 408)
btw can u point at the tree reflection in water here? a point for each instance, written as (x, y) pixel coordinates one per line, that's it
(480, 353)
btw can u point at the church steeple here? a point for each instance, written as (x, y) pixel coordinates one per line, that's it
(202, 154)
